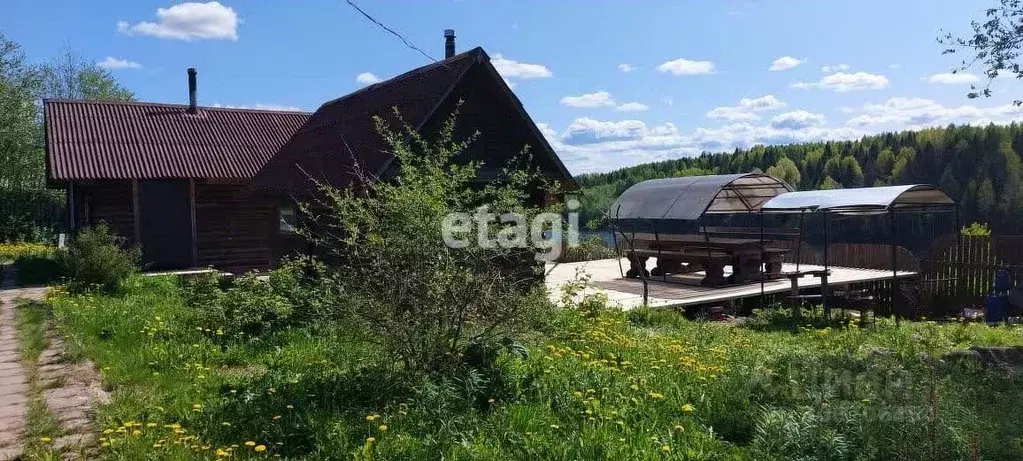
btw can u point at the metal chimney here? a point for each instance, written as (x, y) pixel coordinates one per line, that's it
(191, 91)
(449, 43)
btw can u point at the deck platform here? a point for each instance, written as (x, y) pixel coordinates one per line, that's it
(628, 293)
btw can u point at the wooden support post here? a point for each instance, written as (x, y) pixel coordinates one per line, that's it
(191, 208)
(794, 292)
(135, 210)
(71, 224)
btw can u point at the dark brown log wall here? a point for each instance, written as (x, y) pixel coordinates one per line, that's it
(107, 201)
(232, 227)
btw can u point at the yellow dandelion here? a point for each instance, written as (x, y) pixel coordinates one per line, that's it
(250, 444)
(45, 439)
(260, 448)
(665, 448)
(688, 408)
(371, 440)
(382, 428)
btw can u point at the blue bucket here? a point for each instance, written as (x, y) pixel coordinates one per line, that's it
(1003, 282)
(994, 308)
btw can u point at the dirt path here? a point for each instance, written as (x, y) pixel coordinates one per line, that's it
(14, 385)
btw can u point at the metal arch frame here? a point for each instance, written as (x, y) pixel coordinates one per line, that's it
(868, 210)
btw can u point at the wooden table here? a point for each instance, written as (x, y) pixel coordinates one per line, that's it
(684, 253)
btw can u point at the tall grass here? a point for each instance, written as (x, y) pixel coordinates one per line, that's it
(643, 385)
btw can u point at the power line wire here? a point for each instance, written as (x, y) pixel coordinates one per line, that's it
(388, 29)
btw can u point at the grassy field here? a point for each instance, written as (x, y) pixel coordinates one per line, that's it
(638, 386)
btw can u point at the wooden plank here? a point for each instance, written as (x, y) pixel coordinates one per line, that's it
(135, 209)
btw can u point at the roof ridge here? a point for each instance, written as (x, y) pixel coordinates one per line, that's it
(169, 105)
(477, 51)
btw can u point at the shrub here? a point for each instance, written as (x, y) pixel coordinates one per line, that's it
(976, 229)
(249, 306)
(591, 249)
(98, 259)
(421, 300)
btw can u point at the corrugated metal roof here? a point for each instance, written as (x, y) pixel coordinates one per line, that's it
(122, 140)
(342, 131)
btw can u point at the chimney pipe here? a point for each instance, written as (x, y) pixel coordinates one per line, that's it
(449, 43)
(191, 91)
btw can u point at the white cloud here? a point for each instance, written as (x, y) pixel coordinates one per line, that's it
(843, 82)
(949, 78)
(744, 111)
(632, 107)
(600, 98)
(916, 113)
(188, 21)
(785, 63)
(732, 113)
(274, 107)
(366, 78)
(626, 68)
(834, 68)
(589, 145)
(668, 101)
(513, 69)
(682, 66)
(112, 63)
(797, 120)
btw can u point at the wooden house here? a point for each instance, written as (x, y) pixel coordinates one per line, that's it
(202, 186)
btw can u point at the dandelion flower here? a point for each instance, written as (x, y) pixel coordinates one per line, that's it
(45, 439)
(688, 408)
(679, 428)
(260, 448)
(371, 440)
(665, 448)
(250, 444)
(382, 428)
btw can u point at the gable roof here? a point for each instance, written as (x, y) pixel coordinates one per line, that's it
(342, 132)
(128, 140)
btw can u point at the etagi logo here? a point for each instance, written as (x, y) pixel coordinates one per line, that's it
(550, 233)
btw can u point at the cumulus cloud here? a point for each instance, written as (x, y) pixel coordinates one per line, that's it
(632, 107)
(785, 63)
(797, 120)
(366, 78)
(589, 145)
(112, 63)
(188, 21)
(274, 107)
(592, 145)
(509, 68)
(597, 99)
(843, 82)
(916, 113)
(834, 68)
(682, 66)
(744, 111)
(626, 68)
(949, 78)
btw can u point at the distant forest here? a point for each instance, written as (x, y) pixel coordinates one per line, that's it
(978, 166)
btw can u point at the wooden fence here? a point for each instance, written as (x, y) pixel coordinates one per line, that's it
(955, 272)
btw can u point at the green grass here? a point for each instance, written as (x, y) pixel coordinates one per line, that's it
(646, 386)
(41, 426)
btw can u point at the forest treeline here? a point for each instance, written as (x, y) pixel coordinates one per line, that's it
(978, 166)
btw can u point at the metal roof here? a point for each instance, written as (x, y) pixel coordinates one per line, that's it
(128, 140)
(342, 138)
(862, 200)
(688, 198)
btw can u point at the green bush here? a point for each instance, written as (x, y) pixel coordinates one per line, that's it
(254, 305)
(98, 259)
(590, 249)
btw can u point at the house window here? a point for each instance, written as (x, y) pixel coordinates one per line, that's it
(287, 221)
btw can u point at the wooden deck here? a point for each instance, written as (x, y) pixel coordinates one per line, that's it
(628, 293)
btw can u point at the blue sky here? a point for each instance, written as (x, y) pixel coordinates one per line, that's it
(696, 77)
